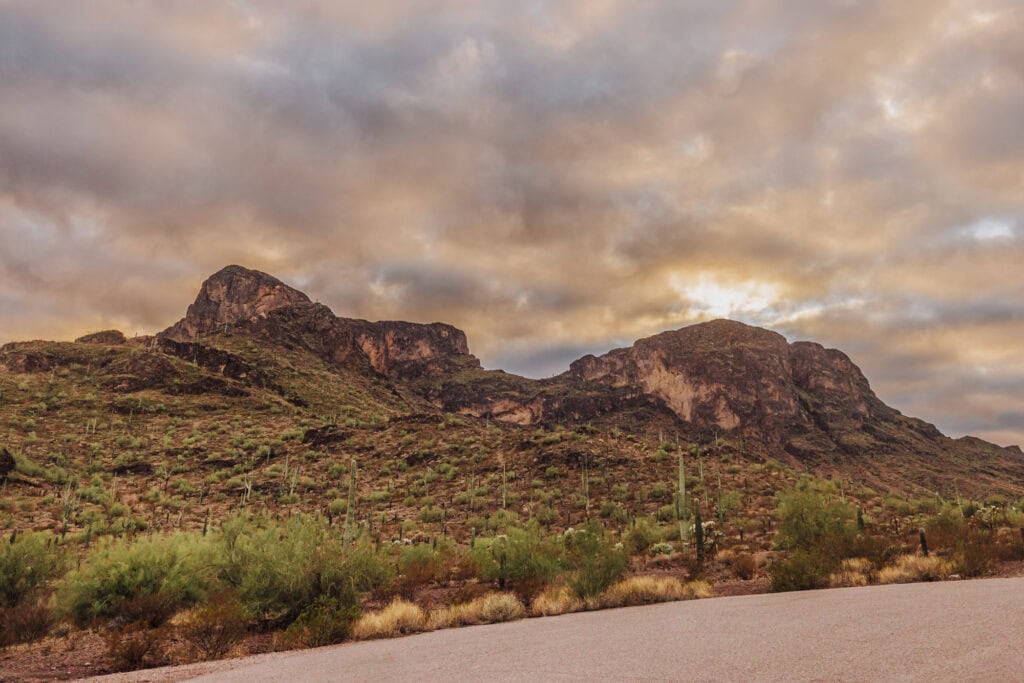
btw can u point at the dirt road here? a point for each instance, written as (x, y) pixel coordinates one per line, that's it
(954, 631)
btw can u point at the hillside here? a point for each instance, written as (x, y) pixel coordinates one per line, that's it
(259, 397)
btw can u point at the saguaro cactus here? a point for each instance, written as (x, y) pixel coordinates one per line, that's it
(698, 530)
(924, 542)
(350, 509)
(681, 507)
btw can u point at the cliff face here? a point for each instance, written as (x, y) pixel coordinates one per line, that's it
(720, 376)
(232, 295)
(727, 377)
(261, 305)
(408, 350)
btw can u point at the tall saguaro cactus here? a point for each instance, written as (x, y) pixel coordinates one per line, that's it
(698, 530)
(350, 509)
(586, 482)
(682, 509)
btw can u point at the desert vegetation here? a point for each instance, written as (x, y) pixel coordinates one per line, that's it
(257, 581)
(156, 511)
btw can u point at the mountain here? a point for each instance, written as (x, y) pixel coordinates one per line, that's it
(257, 381)
(266, 308)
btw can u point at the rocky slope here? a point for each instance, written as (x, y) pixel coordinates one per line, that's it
(214, 398)
(720, 379)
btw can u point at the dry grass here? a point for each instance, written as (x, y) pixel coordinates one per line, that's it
(911, 568)
(554, 601)
(645, 590)
(399, 618)
(855, 571)
(487, 609)
(698, 590)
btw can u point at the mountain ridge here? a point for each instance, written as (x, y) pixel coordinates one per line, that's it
(249, 335)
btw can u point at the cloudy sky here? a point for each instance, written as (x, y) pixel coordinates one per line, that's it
(553, 177)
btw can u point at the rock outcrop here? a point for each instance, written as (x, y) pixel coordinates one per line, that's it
(233, 295)
(105, 338)
(408, 350)
(723, 376)
(718, 375)
(7, 463)
(237, 298)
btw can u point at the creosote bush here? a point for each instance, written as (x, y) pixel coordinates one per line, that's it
(24, 623)
(136, 646)
(282, 569)
(138, 579)
(27, 565)
(522, 560)
(214, 628)
(326, 621)
(596, 560)
(802, 570)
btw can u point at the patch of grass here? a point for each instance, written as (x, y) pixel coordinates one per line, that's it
(398, 618)
(553, 601)
(854, 571)
(912, 568)
(646, 590)
(487, 609)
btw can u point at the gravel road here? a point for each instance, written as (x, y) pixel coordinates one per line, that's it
(953, 631)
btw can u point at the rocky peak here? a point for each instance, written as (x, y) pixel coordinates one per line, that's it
(275, 312)
(232, 295)
(718, 375)
(723, 375)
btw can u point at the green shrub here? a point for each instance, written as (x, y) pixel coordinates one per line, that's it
(642, 535)
(280, 569)
(143, 579)
(522, 560)
(662, 549)
(802, 570)
(417, 566)
(431, 513)
(976, 554)
(327, 620)
(946, 529)
(597, 561)
(809, 521)
(27, 566)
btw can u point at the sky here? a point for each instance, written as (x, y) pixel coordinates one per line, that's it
(555, 178)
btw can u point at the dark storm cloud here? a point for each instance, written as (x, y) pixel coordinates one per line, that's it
(553, 177)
